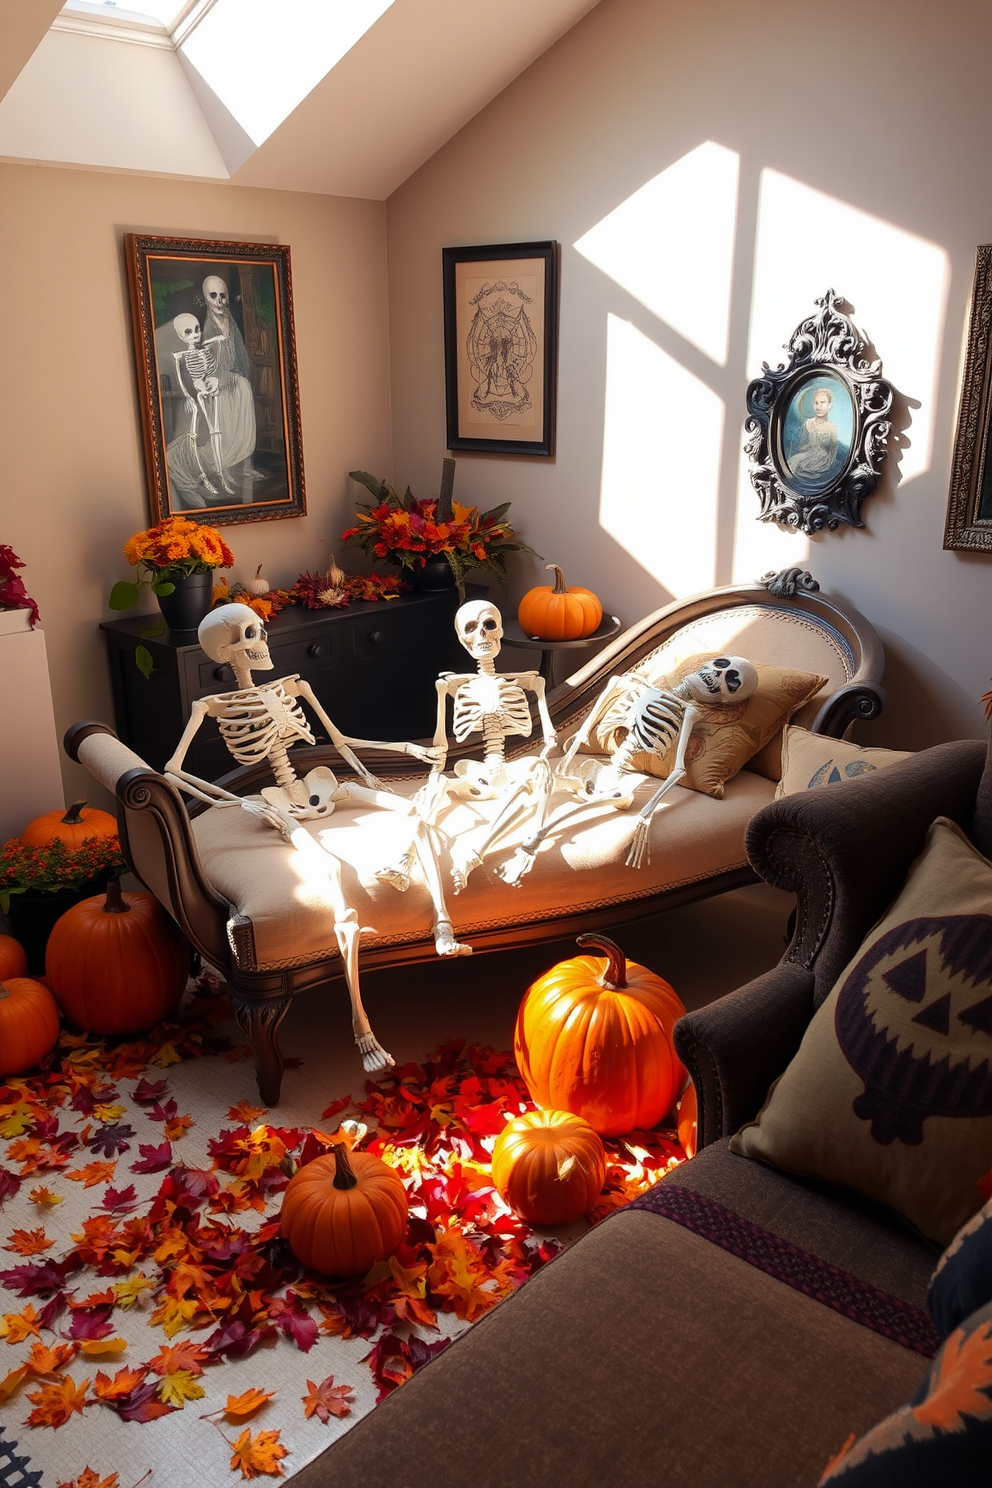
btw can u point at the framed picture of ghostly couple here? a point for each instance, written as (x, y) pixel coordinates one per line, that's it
(818, 425)
(501, 347)
(217, 378)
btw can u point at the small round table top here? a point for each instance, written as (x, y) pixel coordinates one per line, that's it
(513, 635)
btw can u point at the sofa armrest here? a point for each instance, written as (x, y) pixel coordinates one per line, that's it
(735, 1047)
(844, 851)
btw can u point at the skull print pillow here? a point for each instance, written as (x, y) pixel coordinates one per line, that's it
(890, 1092)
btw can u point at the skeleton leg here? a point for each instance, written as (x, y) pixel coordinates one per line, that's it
(216, 439)
(194, 449)
(346, 932)
(537, 788)
(425, 845)
(523, 859)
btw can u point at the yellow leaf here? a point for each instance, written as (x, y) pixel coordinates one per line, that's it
(166, 1056)
(240, 1406)
(12, 1382)
(176, 1389)
(16, 1120)
(174, 1314)
(128, 1292)
(16, 1326)
(109, 1113)
(100, 1346)
(258, 1454)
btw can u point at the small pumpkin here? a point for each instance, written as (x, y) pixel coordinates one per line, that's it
(559, 612)
(258, 586)
(116, 963)
(13, 958)
(594, 1037)
(549, 1167)
(686, 1118)
(343, 1212)
(29, 1024)
(72, 827)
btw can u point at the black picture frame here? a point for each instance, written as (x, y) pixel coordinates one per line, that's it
(501, 389)
(228, 449)
(968, 526)
(818, 425)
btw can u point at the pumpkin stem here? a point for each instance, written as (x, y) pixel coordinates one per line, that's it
(258, 572)
(72, 817)
(344, 1173)
(560, 586)
(614, 977)
(115, 902)
(4, 992)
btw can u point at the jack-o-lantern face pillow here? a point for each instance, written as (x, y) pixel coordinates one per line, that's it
(891, 1090)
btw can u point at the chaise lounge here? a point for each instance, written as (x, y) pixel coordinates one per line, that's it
(240, 894)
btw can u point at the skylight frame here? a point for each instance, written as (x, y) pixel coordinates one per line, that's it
(90, 18)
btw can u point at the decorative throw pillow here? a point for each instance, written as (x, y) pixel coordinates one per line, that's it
(890, 1091)
(962, 1281)
(811, 760)
(943, 1436)
(724, 738)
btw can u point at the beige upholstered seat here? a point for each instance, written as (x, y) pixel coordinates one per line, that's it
(266, 880)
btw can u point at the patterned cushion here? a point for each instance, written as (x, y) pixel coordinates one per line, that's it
(724, 738)
(944, 1435)
(962, 1281)
(890, 1092)
(810, 761)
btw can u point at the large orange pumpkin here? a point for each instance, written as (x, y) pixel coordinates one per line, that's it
(72, 827)
(686, 1115)
(13, 958)
(594, 1037)
(559, 612)
(29, 1024)
(343, 1212)
(116, 963)
(549, 1166)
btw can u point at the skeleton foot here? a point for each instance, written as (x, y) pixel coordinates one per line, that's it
(399, 874)
(640, 846)
(445, 943)
(374, 1056)
(463, 868)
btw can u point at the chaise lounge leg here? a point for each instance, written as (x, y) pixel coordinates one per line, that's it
(259, 1022)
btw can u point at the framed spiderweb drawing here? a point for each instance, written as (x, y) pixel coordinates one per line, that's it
(501, 347)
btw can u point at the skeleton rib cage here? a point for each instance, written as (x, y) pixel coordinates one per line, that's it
(260, 721)
(494, 705)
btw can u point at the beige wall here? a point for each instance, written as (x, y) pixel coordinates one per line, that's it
(73, 485)
(858, 136)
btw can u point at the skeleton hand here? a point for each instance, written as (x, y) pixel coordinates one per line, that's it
(430, 754)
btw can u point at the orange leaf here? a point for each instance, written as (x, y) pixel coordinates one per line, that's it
(123, 1382)
(16, 1326)
(88, 1479)
(184, 1355)
(29, 1242)
(12, 1382)
(45, 1360)
(100, 1346)
(327, 1399)
(54, 1404)
(44, 1197)
(957, 1389)
(245, 1113)
(240, 1406)
(93, 1173)
(257, 1455)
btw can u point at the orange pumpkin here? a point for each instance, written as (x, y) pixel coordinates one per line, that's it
(686, 1115)
(13, 958)
(549, 1166)
(343, 1212)
(29, 1024)
(594, 1037)
(559, 613)
(116, 964)
(72, 827)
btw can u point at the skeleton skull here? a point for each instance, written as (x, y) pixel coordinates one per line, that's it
(187, 328)
(234, 633)
(216, 292)
(725, 679)
(479, 626)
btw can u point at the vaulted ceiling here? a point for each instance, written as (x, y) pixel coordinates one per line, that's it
(78, 90)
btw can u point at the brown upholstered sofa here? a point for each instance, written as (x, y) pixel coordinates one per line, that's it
(734, 1326)
(239, 893)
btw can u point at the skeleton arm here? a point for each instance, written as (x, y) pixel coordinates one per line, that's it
(192, 785)
(640, 847)
(598, 711)
(178, 357)
(296, 687)
(534, 682)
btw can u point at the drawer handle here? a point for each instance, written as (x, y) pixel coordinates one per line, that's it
(220, 673)
(315, 649)
(375, 636)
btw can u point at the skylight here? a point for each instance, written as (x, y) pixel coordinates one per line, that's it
(161, 12)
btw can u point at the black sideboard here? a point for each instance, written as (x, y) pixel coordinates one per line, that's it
(373, 666)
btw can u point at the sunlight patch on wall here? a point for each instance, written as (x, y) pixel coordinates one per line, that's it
(663, 432)
(671, 245)
(262, 60)
(808, 242)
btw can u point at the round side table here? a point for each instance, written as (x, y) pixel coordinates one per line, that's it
(608, 627)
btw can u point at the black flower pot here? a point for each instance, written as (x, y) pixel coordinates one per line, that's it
(191, 599)
(435, 575)
(32, 917)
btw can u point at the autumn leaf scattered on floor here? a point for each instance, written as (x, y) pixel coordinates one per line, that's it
(258, 1455)
(327, 1399)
